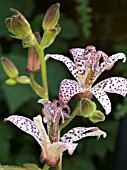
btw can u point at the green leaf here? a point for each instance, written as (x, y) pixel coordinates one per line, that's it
(17, 95)
(69, 29)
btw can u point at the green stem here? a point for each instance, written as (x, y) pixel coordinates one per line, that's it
(43, 68)
(59, 166)
(46, 167)
(43, 40)
(63, 125)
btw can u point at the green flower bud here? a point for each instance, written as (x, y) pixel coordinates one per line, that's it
(18, 25)
(10, 82)
(97, 116)
(37, 88)
(29, 41)
(51, 17)
(9, 68)
(22, 79)
(51, 35)
(87, 107)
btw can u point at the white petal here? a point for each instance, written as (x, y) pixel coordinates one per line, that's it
(102, 98)
(70, 65)
(68, 89)
(27, 126)
(114, 85)
(78, 133)
(112, 60)
(38, 123)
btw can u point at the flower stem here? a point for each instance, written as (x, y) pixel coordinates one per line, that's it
(46, 167)
(43, 68)
(72, 116)
(59, 166)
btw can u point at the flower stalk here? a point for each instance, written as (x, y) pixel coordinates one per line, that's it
(43, 69)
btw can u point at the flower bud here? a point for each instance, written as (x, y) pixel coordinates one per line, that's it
(22, 79)
(18, 25)
(51, 35)
(33, 58)
(87, 107)
(9, 68)
(51, 17)
(10, 82)
(29, 41)
(37, 88)
(97, 116)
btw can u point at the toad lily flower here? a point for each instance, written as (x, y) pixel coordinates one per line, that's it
(51, 151)
(57, 109)
(87, 68)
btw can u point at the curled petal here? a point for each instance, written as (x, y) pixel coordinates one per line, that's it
(68, 89)
(114, 85)
(111, 61)
(27, 126)
(70, 65)
(78, 133)
(102, 98)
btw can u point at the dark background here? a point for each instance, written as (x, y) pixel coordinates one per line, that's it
(97, 22)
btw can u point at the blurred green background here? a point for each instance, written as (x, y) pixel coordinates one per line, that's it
(98, 22)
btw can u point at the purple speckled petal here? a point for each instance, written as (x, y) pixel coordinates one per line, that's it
(114, 85)
(102, 98)
(78, 133)
(26, 125)
(112, 59)
(71, 147)
(70, 65)
(68, 89)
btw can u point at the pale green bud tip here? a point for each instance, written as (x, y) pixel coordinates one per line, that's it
(9, 67)
(10, 82)
(87, 107)
(51, 17)
(97, 116)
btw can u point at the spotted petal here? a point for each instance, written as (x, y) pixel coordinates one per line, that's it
(27, 126)
(102, 98)
(114, 85)
(78, 133)
(68, 89)
(70, 65)
(111, 61)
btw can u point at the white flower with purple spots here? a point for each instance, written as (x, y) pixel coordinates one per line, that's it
(86, 69)
(58, 108)
(51, 151)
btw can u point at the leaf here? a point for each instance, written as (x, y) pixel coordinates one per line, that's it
(17, 95)
(67, 26)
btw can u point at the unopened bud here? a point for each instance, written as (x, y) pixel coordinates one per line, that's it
(29, 41)
(33, 58)
(18, 25)
(37, 88)
(97, 116)
(51, 35)
(9, 68)
(51, 17)
(87, 107)
(22, 79)
(10, 82)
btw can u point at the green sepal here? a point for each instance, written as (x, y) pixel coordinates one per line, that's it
(97, 116)
(87, 107)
